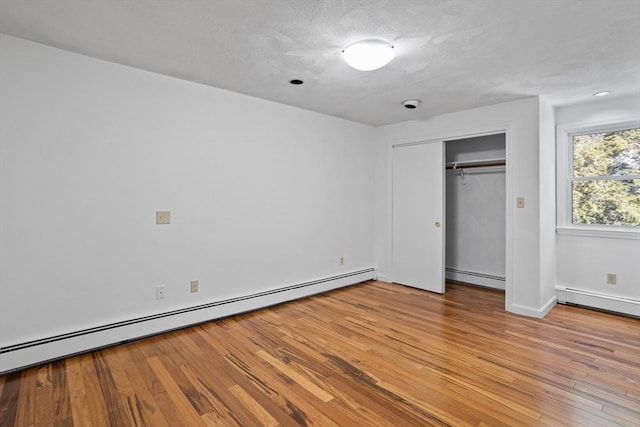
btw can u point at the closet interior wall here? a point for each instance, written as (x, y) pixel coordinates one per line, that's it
(476, 212)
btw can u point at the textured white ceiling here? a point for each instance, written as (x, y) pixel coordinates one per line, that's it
(451, 54)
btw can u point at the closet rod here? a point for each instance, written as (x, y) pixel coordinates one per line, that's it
(476, 164)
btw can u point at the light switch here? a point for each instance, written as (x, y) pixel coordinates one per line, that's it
(163, 217)
(520, 202)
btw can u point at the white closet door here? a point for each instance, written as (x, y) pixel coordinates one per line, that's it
(418, 216)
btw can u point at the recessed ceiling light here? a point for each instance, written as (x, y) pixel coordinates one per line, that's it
(603, 93)
(368, 55)
(296, 82)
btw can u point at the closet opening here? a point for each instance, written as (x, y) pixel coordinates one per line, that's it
(475, 193)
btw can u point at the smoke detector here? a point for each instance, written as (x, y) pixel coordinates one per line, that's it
(411, 104)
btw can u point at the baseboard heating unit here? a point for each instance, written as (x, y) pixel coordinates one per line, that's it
(33, 352)
(482, 279)
(580, 297)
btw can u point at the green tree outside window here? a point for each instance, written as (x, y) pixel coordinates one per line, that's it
(606, 178)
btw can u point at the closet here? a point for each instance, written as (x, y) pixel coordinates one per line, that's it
(475, 225)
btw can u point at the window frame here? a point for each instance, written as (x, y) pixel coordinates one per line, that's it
(565, 178)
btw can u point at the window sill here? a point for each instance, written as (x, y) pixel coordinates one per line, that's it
(616, 233)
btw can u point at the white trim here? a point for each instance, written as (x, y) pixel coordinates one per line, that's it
(587, 127)
(389, 254)
(509, 178)
(605, 178)
(538, 313)
(628, 306)
(564, 175)
(24, 357)
(563, 196)
(612, 233)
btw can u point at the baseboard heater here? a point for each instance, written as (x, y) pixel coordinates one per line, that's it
(475, 278)
(190, 316)
(584, 298)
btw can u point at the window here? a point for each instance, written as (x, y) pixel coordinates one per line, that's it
(599, 177)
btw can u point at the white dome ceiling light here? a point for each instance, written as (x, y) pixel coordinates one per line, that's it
(368, 55)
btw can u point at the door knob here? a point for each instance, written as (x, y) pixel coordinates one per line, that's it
(437, 224)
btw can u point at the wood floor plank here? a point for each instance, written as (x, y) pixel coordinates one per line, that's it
(188, 412)
(139, 357)
(371, 354)
(170, 410)
(62, 413)
(25, 414)
(77, 393)
(95, 399)
(44, 403)
(366, 406)
(211, 377)
(142, 405)
(303, 381)
(220, 413)
(9, 399)
(269, 383)
(301, 406)
(116, 411)
(197, 400)
(254, 407)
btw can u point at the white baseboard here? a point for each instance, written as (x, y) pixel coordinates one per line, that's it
(480, 279)
(21, 355)
(628, 306)
(538, 313)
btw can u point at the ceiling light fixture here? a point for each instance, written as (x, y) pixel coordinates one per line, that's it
(368, 55)
(603, 93)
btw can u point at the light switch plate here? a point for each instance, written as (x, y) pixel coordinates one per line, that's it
(520, 202)
(163, 217)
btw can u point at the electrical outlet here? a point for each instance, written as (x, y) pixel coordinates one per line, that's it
(341, 260)
(611, 278)
(194, 286)
(159, 292)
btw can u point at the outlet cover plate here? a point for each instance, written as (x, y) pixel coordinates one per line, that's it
(163, 217)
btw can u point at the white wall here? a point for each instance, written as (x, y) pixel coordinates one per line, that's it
(262, 195)
(548, 249)
(521, 121)
(584, 261)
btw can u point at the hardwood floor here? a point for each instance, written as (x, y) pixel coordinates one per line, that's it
(374, 354)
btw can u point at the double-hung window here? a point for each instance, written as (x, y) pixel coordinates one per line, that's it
(599, 177)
